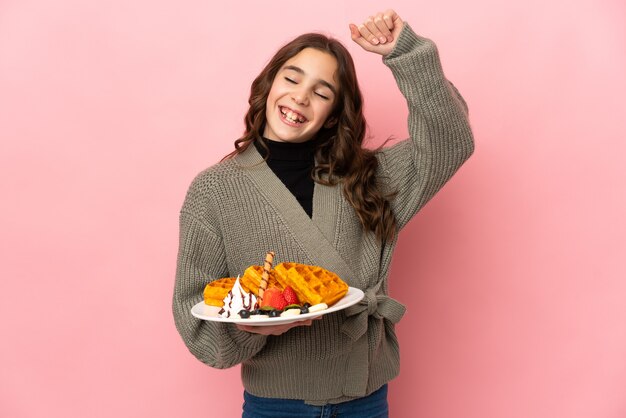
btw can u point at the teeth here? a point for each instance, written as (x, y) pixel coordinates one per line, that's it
(292, 116)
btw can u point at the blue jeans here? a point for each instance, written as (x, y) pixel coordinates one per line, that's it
(371, 406)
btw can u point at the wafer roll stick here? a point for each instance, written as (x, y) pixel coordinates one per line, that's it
(267, 266)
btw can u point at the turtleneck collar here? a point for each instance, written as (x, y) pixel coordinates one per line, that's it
(289, 151)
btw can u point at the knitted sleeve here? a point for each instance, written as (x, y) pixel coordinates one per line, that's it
(201, 258)
(440, 134)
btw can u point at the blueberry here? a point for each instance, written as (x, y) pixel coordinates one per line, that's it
(244, 313)
(304, 310)
(306, 305)
(274, 313)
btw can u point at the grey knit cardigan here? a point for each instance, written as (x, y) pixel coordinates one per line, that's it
(238, 209)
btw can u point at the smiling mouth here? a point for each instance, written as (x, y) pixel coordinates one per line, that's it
(291, 116)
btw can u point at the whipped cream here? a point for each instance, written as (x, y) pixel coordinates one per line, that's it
(236, 300)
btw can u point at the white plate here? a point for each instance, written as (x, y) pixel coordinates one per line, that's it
(210, 313)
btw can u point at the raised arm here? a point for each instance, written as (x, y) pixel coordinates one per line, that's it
(440, 134)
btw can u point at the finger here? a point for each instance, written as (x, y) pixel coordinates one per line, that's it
(368, 35)
(247, 328)
(396, 21)
(375, 31)
(355, 33)
(388, 20)
(264, 330)
(281, 329)
(379, 21)
(274, 329)
(392, 16)
(251, 328)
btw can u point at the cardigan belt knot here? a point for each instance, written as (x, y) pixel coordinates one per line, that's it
(373, 304)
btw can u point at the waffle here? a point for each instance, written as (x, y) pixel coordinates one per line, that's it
(216, 291)
(251, 279)
(312, 284)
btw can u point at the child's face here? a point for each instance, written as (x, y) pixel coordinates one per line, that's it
(301, 97)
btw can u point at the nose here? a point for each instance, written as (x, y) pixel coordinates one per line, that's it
(300, 97)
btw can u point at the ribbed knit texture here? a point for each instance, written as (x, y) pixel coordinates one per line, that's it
(238, 210)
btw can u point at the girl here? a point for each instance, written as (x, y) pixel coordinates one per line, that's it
(299, 183)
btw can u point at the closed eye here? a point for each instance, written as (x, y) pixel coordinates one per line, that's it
(290, 80)
(322, 96)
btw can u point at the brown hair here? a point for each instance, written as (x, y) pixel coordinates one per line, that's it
(340, 155)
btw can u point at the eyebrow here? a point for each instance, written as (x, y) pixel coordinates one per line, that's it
(321, 81)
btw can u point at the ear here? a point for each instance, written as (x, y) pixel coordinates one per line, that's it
(330, 122)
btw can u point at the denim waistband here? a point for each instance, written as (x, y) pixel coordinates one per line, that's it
(372, 406)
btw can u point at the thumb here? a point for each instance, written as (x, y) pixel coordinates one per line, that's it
(356, 36)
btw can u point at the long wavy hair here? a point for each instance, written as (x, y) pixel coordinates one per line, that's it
(340, 156)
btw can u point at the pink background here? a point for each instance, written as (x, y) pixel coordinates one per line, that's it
(513, 275)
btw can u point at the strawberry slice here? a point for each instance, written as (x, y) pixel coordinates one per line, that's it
(290, 296)
(274, 297)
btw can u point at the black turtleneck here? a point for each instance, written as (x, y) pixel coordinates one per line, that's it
(293, 162)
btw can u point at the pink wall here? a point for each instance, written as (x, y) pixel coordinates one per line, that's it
(513, 275)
